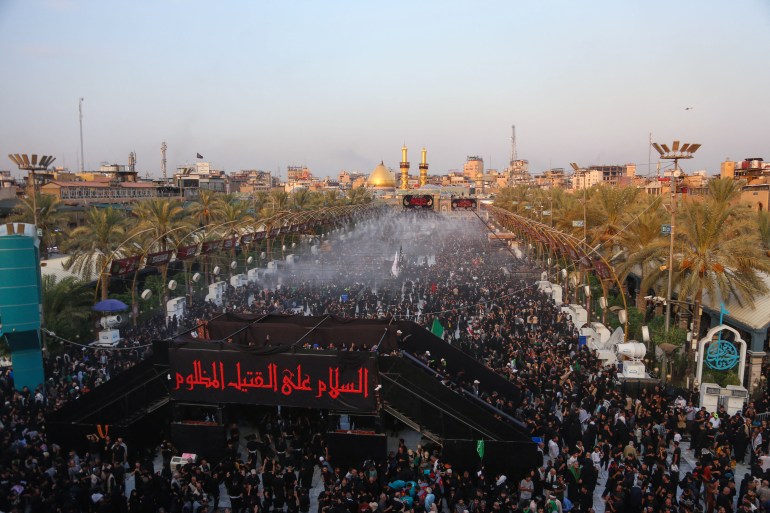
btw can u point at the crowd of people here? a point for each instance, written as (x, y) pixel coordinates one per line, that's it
(652, 451)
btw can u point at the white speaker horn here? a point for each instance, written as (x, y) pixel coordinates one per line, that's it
(233, 264)
(196, 277)
(146, 294)
(172, 285)
(215, 271)
(249, 260)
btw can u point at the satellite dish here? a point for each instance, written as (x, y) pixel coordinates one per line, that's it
(249, 260)
(196, 277)
(262, 255)
(563, 273)
(645, 334)
(283, 248)
(622, 316)
(603, 302)
(215, 271)
(146, 294)
(587, 290)
(293, 244)
(172, 285)
(233, 264)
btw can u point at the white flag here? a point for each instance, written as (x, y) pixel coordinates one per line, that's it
(394, 269)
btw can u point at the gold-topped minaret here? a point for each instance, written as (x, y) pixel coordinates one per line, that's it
(424, 168)
(404, 165)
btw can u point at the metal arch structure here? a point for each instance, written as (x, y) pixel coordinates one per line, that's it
(583, 257)
(291, 222)
(143, 256)
(109, 260)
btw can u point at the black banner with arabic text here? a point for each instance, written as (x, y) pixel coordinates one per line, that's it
(184, 252)
(464, 204)
(210, 246)
(159, 258)
(341, 381)
(124, 266)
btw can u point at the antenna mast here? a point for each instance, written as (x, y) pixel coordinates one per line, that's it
(163, 148)
(80, 112)
(514, 155)
(132, 162)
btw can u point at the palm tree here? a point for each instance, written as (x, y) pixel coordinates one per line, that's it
(66, 306)
(301, 198)
(715, 253)
(203, 209)
(165, 222)
(327, 198)
(160, 216)
(259, 200)
(610, 205)
(637, 240)
(92, 245)
(278, 199)
(514, 198)
(50, 218)
(763, 220)
(358, 196)
(725, 190)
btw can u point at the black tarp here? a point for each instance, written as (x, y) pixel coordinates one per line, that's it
(220, 373)
(296, 330)
(353, 449)
(417, 340)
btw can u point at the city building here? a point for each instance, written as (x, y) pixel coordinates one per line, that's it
(200, 176)
(352, 180)
(381, 179)
(249, 181)
(473, 168)
(103, 191)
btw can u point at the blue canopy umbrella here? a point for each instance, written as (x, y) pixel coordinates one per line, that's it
(110, 305)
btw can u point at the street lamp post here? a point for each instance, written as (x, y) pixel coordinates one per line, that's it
(32, 165)
(675, 153)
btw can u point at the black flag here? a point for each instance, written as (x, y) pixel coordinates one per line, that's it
(198, 155)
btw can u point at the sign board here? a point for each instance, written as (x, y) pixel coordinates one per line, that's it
(339, 381)
(124, 266)
(159, 258)
(464, 204)
(185, 252)
(418, 202)
(665, 229)
(210, 246)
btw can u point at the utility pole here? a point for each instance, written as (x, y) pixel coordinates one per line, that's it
(163, 149)
(676, 153)
(82, 158)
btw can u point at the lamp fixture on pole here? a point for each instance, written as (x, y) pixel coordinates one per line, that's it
(32, 165)
(675, 153)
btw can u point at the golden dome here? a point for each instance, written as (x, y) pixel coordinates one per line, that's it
(381, 178)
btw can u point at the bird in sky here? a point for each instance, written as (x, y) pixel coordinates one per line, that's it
(688, 108)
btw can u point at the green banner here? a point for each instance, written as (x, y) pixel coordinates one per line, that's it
(480, 448)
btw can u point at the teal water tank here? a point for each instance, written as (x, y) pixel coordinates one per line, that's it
(20, 301)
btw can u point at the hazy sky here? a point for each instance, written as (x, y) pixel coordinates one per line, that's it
(342, 85)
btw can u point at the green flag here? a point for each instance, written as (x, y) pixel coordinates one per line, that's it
(437, 329)
(480, 448)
